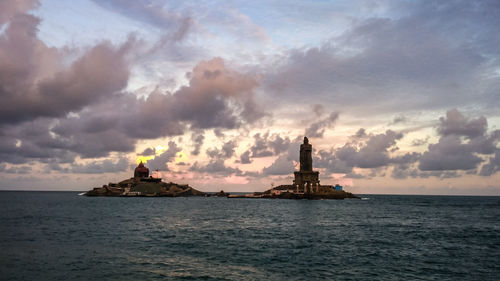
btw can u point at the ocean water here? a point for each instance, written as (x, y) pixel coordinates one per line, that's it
(63, 236)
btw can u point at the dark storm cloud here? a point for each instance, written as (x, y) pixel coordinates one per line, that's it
(402, 172)
(115, 123)
(373, 154)
(405, 159)
(492, 166)
(205, 102)
(104, 166)
(32, 141)
(215, 98)
(225, 152)
(266, 145)
(361, 133)
(34, 82)
(287, 151)
(228, 149)
(88, 137)
(215, 167)
(419, 142)
(218, 133)
(245, 157)
(456, 124)
(452, 152)
(430, 57)
(398, 119)
(463, 145)
(270, 145)
(148, 152)
(281, 166)
(197, 139)
(317, 129)
(328, 160)
(161, 161)
(449, 154)
(260, 147)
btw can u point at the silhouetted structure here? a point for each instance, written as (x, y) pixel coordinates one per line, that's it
(305, 185)
(306, 180)
(141, 171)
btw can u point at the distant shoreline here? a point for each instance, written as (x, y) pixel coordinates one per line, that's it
(240, 192)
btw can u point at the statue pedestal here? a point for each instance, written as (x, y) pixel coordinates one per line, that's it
(306, 181)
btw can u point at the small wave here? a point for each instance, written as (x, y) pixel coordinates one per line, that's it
(365, 198)
(80, 194)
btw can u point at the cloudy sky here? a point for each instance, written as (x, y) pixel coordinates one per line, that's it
(399, 97)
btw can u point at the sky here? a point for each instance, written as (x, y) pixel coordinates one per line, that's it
(396, 97)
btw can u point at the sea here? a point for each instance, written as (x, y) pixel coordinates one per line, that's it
(64, 236)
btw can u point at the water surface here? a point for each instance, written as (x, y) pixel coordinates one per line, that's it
(62, 236)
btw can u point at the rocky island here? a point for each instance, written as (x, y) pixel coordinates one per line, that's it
(305, 185)
(142, 184)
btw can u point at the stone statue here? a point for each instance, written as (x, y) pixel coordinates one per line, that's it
(306, 180)
(306, 156)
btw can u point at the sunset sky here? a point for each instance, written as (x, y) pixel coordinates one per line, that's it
(397, 97)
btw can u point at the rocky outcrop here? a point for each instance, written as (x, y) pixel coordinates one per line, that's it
(287, 192)
(148, 188)
(221, 194)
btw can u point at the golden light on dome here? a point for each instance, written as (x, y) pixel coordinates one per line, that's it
(143, 159)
